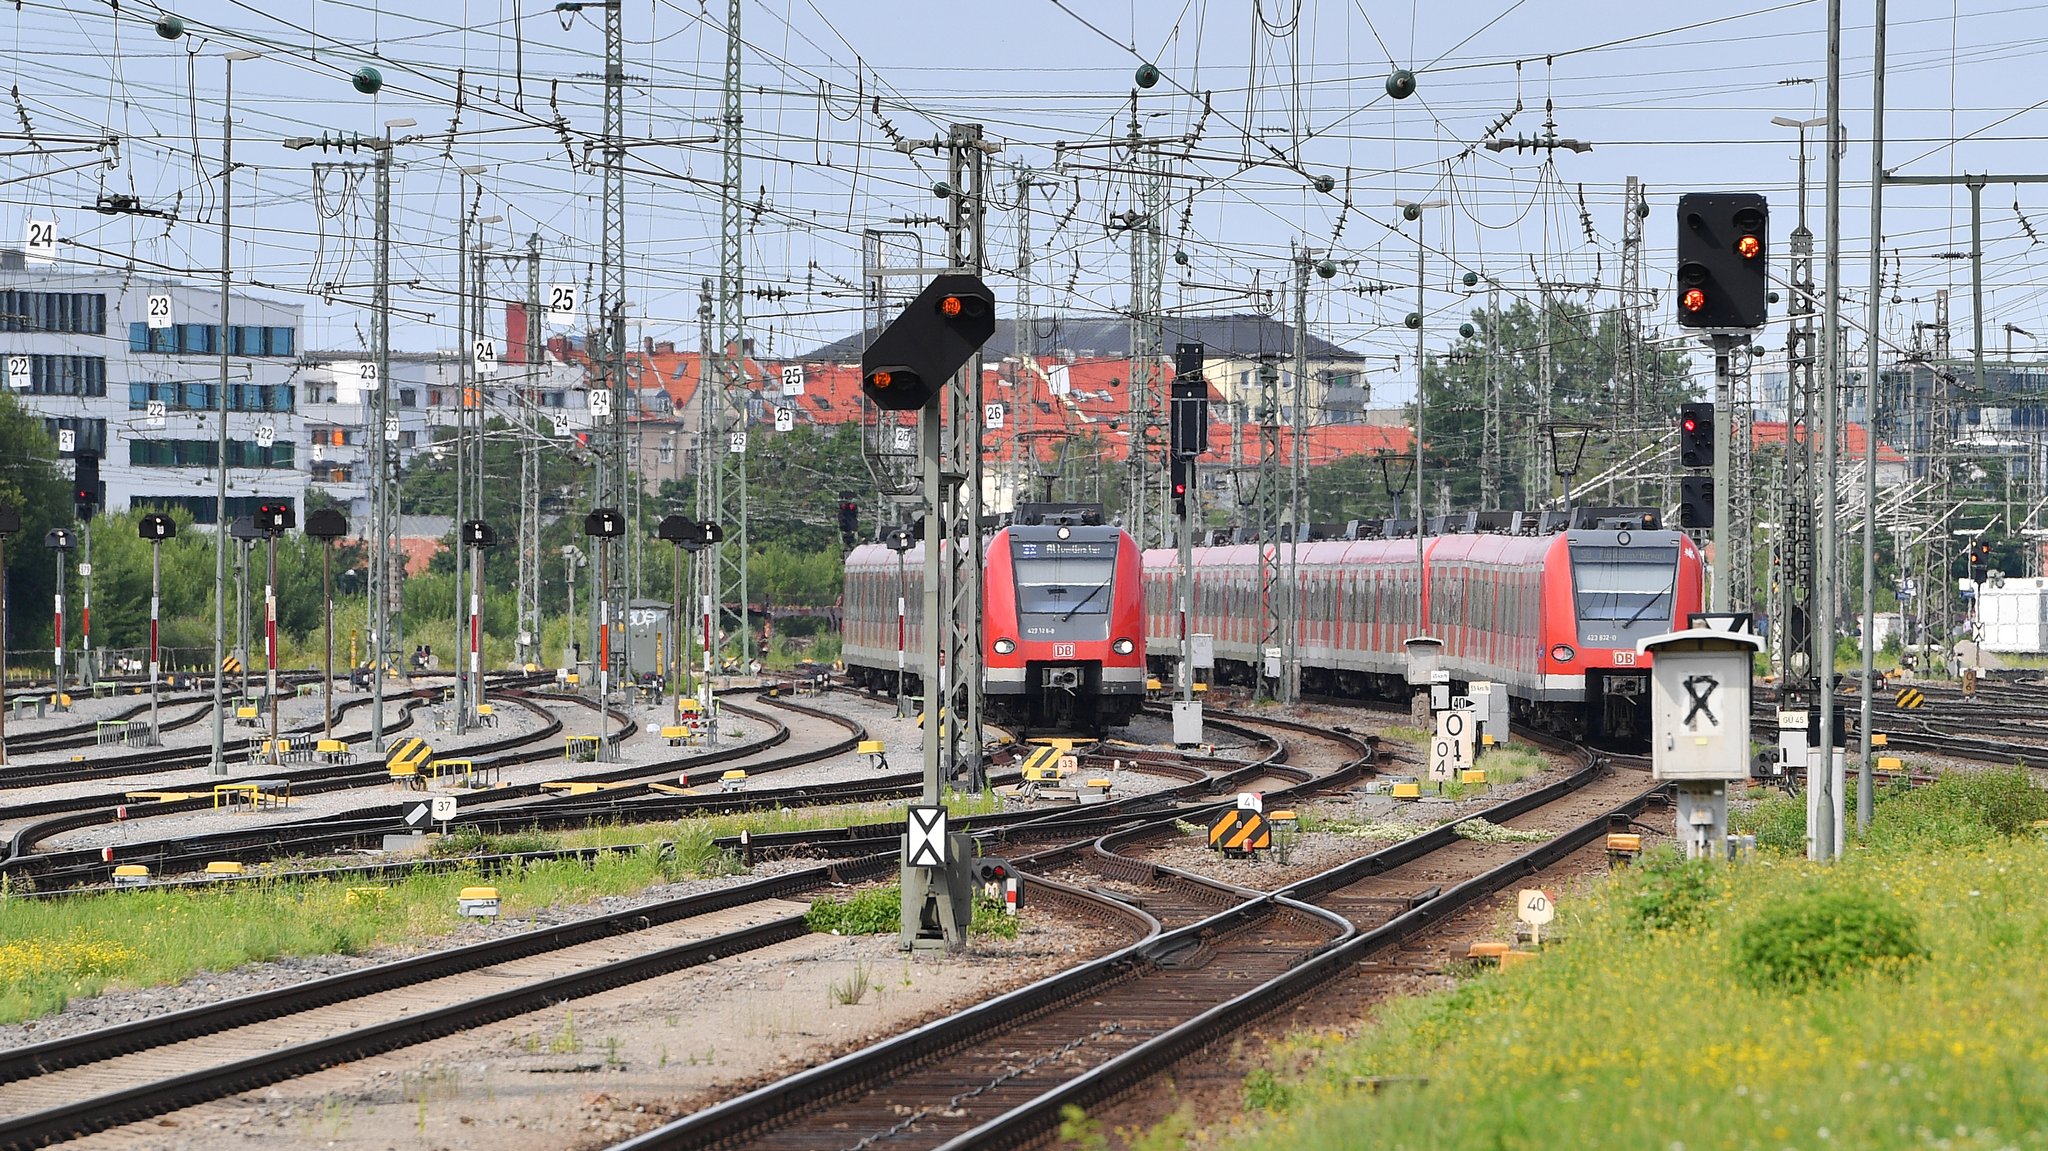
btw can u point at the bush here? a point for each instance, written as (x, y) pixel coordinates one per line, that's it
(872, 912)
(1817, 938)
(1961, 808)
(1777, 820)
(1667, 890)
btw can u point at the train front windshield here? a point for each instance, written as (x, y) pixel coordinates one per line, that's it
(1623, 593)
(1065, 581)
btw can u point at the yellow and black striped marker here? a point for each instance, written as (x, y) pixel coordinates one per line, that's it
(412, 753)
(231, 665)
(1241, 832)
(1910, 698)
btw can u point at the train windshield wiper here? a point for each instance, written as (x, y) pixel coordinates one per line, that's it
(1668, 589)
(1085, 601)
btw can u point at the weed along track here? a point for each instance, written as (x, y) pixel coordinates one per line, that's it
(999, 1073)
(98, 1079)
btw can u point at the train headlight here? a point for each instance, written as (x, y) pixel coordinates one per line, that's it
(1005, 646)
(1123, 647)
(1562, 653)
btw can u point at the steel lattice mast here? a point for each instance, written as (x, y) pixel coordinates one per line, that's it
(729, 559)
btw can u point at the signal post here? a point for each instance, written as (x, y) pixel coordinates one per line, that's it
(906, 369)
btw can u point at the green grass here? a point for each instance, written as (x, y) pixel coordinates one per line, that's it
(879, 911)
(52, 951)
(1898, 998)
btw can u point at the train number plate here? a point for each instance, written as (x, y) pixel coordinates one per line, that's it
(1063, 651)
(1624, 659)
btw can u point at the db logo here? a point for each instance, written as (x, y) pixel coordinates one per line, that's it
(1063, 651)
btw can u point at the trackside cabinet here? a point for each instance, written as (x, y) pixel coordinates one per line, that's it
(1699, 725)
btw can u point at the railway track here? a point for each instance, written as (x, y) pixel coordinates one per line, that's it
(998, 1074)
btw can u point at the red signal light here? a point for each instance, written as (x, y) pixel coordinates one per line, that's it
(1749, 247)
(1693, 300)
(1690, 424)
(950, 306)
(882, 379)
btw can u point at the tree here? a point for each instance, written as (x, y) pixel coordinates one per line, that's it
(32, 484)
(1584, 348)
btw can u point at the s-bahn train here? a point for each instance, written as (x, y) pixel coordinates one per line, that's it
(1062, 625)
(1553, 614)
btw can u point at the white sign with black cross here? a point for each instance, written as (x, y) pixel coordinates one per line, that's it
(925, 845)
(1451, 749)
(1699, 704)
(793, 380)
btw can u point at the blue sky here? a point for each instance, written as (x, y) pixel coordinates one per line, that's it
(1680, 95)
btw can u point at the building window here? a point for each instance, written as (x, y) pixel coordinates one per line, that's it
(150, 453)
(67, 375)
(408, 398)
(203, 340)
(92, 434)
(408, 439)
(83, 313)
(195, 395)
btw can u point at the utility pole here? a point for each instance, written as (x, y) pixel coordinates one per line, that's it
(1628, 349)
(220, 490)
(955, 498)
(1147, 509)
(729, 558)
(1272, 596)
(529, 626)
(1297, 488)
(1827, 831)
(1795, 569)
(1872, 378)
(1489, 433)
(1741, 537)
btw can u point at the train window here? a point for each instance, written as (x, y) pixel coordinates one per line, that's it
(1624, 584)
(1064, 585)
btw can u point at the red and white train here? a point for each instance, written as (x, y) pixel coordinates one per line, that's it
(1554, 616)
(1062, 627)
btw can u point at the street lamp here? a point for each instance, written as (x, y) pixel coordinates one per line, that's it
(1412, 212)
(1567, 451)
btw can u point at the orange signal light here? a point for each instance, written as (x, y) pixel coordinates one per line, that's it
(1749, 247)
(950, 306)
(1693, 300)
(882, 379)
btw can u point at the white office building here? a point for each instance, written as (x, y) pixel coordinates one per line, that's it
(84, 352)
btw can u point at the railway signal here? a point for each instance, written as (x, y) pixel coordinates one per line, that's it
(849, 518)
(1181, 468)
(275, 518)
(1723, 261)
(907, 365)
(1189, 428)
(87, 491)
(1696, 502)
(1696, 435)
